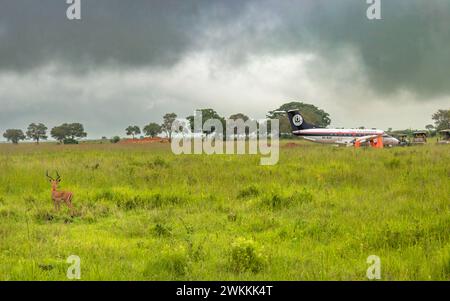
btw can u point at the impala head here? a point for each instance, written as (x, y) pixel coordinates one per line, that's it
(54, 182)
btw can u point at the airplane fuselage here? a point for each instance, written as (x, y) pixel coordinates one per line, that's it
(300, 127)
(341, 136)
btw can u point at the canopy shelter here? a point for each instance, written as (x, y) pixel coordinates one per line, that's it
(444, 137)
(419, 137)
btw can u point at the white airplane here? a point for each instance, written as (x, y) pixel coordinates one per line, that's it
(346, 137)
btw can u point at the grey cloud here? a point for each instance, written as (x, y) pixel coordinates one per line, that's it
(125, 33)
(132, 61)
(407, 50)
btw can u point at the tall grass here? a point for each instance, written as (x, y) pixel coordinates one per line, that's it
(146, 214)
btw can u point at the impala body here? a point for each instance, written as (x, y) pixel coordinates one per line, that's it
(59, 196)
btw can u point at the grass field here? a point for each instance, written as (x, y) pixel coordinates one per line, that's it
(146, 214)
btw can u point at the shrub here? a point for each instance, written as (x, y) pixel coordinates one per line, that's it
(173, 264)
(147, 201)
(115, 139)
(304, 196)
(277, 201)
(393, 163)
(7, 213)
(159, 162)
(161, 230)
(70, 141)
(250, 191)
(245, 257)
(43, 216)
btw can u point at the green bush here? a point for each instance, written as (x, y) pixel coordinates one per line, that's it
(173, 264)
(159, 162)
(115, 139)
(244, 257)
(161, 230)
(248, 192)
(70, 141)
(393, 163)
(276, 200)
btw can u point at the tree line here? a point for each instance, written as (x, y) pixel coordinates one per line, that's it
(67, 133)
(310, 112)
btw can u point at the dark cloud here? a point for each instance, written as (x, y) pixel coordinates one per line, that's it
(125, 33)
(408, 49)
(131, 61)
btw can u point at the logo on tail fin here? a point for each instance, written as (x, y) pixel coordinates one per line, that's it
(297, 120)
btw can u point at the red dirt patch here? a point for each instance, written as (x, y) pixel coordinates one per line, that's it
(291, 145)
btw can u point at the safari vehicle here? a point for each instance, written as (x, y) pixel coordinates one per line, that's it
(444, 137)
(419, 137)
(403, 140)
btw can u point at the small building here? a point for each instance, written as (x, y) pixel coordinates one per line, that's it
(419, 137)
(444, 137)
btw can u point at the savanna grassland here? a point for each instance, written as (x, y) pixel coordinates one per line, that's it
(143, 213)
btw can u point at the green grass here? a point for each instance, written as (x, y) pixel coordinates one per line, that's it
(146, 214)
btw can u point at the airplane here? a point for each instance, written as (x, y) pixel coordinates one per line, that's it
(348, 137)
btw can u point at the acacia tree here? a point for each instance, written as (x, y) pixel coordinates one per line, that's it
(240, 116)
(152, 129)
(310, 112)
(68, 133)
(442, 120)
(133, 130)
(166, 126)
(37, 132)
(14, 135)
(206, 115)
(76, 131)
(59, 133)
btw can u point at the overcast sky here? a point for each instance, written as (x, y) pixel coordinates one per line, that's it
(129, 62)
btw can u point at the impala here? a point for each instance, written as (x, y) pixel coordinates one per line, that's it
(60, 196)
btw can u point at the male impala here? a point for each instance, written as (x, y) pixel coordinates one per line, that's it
(60, 196)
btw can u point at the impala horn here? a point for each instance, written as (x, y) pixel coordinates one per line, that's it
(48, 176)
(58, 176)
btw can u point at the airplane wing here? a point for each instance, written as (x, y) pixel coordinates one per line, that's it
(365, 138)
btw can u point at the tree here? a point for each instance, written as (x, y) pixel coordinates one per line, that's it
(133, 130)
(431, 130)
(239, 116)
(310, 112)
(14, 135)
(206, 115)
(442, 120)
(68, 133)
(37, 132)
(76, 130)
(59, 133)
(166, 126)
(152, 129)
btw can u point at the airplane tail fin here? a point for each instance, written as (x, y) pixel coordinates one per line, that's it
(298, 122)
